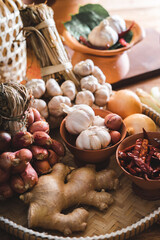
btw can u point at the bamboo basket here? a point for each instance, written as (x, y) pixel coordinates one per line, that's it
(128, 216)
(12, 43)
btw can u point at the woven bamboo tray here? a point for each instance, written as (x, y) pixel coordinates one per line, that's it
(126, 217)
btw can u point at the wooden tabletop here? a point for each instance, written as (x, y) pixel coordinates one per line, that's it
(147, 14)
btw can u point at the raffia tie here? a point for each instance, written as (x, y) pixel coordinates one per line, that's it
(49, 69)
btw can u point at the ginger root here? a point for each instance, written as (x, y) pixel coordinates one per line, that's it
(63, 188)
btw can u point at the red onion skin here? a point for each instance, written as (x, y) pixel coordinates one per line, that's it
(58, 148)
(39, 153)
(22, 140)
(37, 115)
(4, 176)
(22, 158)
(113, 121)
(39, 126)
(6, 191)
(6, 160)
(42, 139)
(30, 118)
(42, 167)
(53, 157)
(5, 141)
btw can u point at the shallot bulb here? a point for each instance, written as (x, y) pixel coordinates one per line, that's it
(79, 117)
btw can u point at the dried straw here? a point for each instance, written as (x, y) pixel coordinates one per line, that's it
(40, 27)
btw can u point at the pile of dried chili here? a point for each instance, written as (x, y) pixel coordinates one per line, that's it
(142, 159)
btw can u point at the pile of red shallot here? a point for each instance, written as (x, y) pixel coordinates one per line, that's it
(26, 155)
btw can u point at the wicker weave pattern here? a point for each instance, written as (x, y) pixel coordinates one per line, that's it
(12, 48)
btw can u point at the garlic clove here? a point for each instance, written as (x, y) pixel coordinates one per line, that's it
(53, 88)
(54, 105)
(41, 106)
(84, 68)
(69, 89)
(117, 23)
(89, 83)
(37, 87)
(98, 121)
(97, 72)
(85, 97)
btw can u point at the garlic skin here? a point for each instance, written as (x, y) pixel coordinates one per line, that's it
(97, 73)
(79, 117)
(89, 83)
(103, 35)
(98, 121)
(37, 87)
(117, 23)
(93, 138)
(84, 68)
(53, 88)
(54, 105)
(85, 97)
(69, 89)
(41, 106)
(102, 95)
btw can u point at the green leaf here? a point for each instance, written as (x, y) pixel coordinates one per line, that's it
(96, 8)
(82, 23)
(128, 37)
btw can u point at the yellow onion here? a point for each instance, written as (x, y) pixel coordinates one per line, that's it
(124, 103)
(136, 122)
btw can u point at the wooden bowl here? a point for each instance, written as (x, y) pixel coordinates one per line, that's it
(90, 156)
(114, 63)
(147, 189)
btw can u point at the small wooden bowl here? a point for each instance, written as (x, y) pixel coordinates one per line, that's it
(90, 156)
(114, 63)
(147, 189)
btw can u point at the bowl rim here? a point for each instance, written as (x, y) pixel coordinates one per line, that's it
(90, 150)
(128, 173)
(77, 46)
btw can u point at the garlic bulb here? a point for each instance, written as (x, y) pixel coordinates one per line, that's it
(53, 88)
(84, 68)
(102, 95)
(117, 23)
(98, 121)
(85, 97)
(79, 117)
(89, 83)
(54, 105)
(41, 106)
(37, 87)
(93, 138)
(69, 89)
(97, 72)
(103, 35)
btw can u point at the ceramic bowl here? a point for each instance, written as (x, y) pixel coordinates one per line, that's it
(114, 63)
(147, 189)
(90, 156)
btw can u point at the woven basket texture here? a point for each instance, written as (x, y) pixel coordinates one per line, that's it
(126, 217)
(13, 58)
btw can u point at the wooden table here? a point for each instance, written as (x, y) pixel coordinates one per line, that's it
(147, 14)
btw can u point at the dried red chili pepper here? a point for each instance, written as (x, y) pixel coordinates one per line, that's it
(127, 149)
(157, 154)
(137, 147)
(149, 156)
(144, 148)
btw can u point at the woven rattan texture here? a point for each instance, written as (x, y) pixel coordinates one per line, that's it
(12, 49)
(127, 216)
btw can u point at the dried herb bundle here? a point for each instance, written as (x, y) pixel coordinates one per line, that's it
(14, 101)
(40, 27)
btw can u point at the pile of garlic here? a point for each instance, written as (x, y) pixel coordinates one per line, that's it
(48, 97)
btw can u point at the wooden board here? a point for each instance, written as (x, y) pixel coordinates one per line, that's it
(144, 60)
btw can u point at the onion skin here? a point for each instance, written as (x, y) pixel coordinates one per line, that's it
(37, 115)
(5, 141)
(6, 160)
(42, 138)
(4, 175)
(42, 167)
(113, 121)
(53, 157)
(39, 153)
(115, 136)
(58, 148)
(124, 103)
(22, 140)
(6, 191)
(39, 126)
(30, 117)
(136, 122)
(22, 158)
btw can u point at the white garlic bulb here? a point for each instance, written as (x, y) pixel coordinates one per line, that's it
(117, 23)
(37, 87)
(103, 35)
(84, 68)
(89, 83)
(53, 88)
(69, 89)
(97, 72)
(41, 106)
(79, 117)
(54, 105)
(85, 97)
(98, 121)
(93, 138)
(102, 95)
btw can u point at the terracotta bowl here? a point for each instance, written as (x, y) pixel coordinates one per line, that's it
(147, 189)
(90, 156)
(114, 63)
